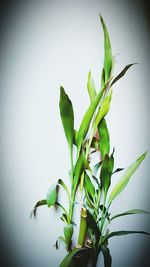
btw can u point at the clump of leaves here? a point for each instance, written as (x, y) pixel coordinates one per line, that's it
(93, 182)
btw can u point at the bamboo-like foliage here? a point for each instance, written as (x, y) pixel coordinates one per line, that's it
(93, 182)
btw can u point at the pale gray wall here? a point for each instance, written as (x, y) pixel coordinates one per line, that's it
(46, 44)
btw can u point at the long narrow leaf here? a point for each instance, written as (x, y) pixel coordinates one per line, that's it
(107, 256)
(104, 141)
(107, 52)
(91, 87)
(87, 119)
(79, 167)
(122, 73)
(88, 185)
(125, 178)
(38, 204)
(129, 212)
(67, 116)
(106, 172)
(120, 233)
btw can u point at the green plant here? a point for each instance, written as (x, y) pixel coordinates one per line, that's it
(94, 182)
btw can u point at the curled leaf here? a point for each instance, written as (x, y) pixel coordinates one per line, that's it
(38, 204)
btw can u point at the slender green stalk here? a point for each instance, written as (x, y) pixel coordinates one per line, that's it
(83, 227)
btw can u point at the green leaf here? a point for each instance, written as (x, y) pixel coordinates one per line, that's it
(120, 233)
(89, 187)
(52, 195)
(93, 225)
(125, 178)
(87, 119)
(104, 108)
(107, 256)
(129, 212)
(107, 52)
(60, 182)
(96, 167)
(104, 142)
(69, 258)
(38, 204)
(106, 172)
(91, 87)
(75, 137)
(103, 78)
(64, 218)
(118, 170)
(122, 73)
(68, 232)
(60, 238)
(67, 116)
(78, 169)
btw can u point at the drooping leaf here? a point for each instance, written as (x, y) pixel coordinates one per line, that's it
(104, 142)
(122, 73)
(79, 167)
(118, 170)
(52, 195)
(125, 178)
(65, 218)
(60, 182)
(67, 116)
(38, 204)
(91, 87)
(107, 52)
(87, 119)
(60, 238)
(88, 185)
(120, 233)
(69, 258)
(129, 212)
(104, 108)
(68, 232)
(106, 172)
(107, 256)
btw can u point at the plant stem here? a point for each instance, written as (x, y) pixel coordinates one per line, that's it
(83, 227)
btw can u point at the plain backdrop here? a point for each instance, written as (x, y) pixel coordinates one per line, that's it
(46, 44)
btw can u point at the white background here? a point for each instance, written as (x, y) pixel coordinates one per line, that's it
(53, 43)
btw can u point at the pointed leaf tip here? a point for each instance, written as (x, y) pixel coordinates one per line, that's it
(119, 187)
